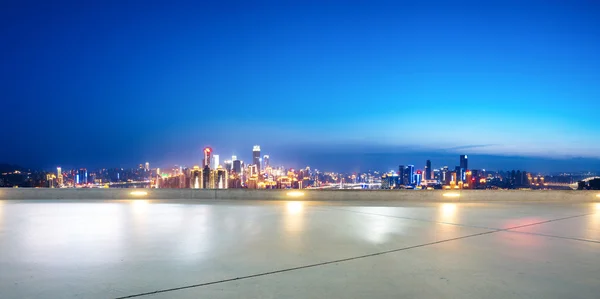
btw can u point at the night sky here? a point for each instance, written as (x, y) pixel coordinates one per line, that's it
(337, 85)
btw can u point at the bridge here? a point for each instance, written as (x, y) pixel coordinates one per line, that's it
(349, 186)
(572, 185)
(129, 184)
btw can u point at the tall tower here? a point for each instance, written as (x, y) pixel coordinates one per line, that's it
(266, 161)
(196, 178)
(237, 166)
(428, 170)
(147, 166)
(256, 157)
(207, 154)
(206, 184)
(411, 174)
(464, 162)
(82, 176)
(59, 177)
(228, 165)
(215, 162)
(402, 175)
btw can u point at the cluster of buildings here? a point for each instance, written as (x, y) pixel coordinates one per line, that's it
(459, 177)
(214, 173)
(82, 178)
(233, 173)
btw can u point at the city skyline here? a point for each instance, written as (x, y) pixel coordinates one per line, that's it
(360, 86)
(333, 159)
(356, 162)
(260, 174)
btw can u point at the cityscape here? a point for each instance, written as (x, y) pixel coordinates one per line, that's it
(300, 149)
(212, 172)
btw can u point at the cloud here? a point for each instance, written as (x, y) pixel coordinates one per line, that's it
(471, 146)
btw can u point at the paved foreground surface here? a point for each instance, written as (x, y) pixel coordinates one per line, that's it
(258, 249)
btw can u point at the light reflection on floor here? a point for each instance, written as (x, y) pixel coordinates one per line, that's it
(138, 245)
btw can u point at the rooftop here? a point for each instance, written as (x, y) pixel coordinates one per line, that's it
(152, 248)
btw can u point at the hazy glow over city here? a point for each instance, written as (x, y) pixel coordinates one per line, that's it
(491, 78)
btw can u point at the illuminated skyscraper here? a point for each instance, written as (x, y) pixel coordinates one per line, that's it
(207, 154)
(206, 183)
(266, 161)
(221, 178)
(410, 172)
(215, 162)
(406, 175)
(428, 170)
(195, 178)
(469, 180)
(464, 162)
(401, 175)
(228, 165)
(82, 177)
(237, 166)
(253, 170)
(445, 175)
(147, 168)
(418, 177)
(59, 177)
(460, 173)
(256, 157)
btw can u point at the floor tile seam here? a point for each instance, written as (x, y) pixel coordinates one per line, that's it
(554, 236)
(466, 225)
(416, 219)
(307, 266)
(347, 259)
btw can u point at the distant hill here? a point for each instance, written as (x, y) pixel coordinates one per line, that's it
(9, 167)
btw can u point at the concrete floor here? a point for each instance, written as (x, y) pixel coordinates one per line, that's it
(260, 249)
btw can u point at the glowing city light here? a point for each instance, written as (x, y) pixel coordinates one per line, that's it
(295, 194)
(138, 193)
(598, 195)
(451, 195)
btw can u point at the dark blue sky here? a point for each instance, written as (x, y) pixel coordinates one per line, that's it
(117, 83)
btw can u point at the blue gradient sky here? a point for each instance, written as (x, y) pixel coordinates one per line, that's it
(116, 83)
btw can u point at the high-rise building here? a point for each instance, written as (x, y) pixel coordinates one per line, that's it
(428, 170)
(59, 177)
(196, 178)
(469, 180)
(464, 163)
(147, 168)
(445, 175)
(266, 162)
(401, 170)
(389, 181)
(207, 156)
(253, 170)
(406, 175)
(221, 179)
(82, 177)
(215, 162)
(206, 182)
(256, 157)
(410, 173)
(418, 177)
(237, 166)
(460, 173)
(228, 165)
